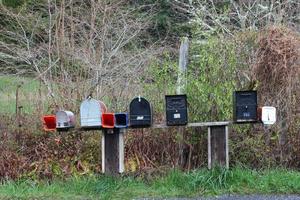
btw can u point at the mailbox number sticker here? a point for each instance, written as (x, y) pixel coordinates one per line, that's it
(246, 114)
(140, 117)
(176, 116)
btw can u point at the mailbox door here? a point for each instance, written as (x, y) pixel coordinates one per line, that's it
(245, 106)
(176, 110)
(90, 113)
(121, 120)
(268, 116)
(246, 113)
(65, 120)
(140, 113)
(62, 120)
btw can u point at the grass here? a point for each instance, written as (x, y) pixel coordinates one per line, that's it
(174, 184)
(28, 93)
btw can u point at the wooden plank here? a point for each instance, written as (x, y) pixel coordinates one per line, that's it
(189, 125)
(103, 152)
(209, 148)
(227, 146)
(180, 89)
(182, 67)
(121, 151)
(219, 146)
(197, 124)
(111, 151)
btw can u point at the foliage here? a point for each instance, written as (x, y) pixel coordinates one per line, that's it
(13, 3)
(211, 80)
(169, 21)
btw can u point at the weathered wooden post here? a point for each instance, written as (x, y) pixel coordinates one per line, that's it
(113, 151)
(181, 85)
(218, 148)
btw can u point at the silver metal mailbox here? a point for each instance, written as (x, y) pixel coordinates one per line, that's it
(90, 113)
(65, 120)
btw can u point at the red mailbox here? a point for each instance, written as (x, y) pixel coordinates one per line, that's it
(49, 122)
(108, 120)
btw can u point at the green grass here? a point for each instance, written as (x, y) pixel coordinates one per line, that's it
(28, 93)
(175, 184)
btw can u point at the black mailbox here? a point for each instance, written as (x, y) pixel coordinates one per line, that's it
(140, 113)
(245, 106)
(176, 110)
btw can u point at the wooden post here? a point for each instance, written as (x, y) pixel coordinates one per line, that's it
(218, 148)
(18, 114)
(181, 84)
(113, 151)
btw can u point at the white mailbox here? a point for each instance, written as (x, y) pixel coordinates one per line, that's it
(268, 115)
(90, 113)
(65, 120)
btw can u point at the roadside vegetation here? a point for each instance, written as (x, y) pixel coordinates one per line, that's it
(173, 184)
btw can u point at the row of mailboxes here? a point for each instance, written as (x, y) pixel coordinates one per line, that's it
(93, 113)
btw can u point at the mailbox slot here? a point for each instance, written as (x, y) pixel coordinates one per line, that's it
(65, 120)
(245, 106)
(140, 113)
(121, 120)
(91, 113)
(108, 120)
(176, 110)
(49, 122)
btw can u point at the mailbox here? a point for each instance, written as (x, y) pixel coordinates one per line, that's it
(245, 106)
(108, 120)
(65, 120)
(176, 110)
(91, 113)
(49, 122)
(121, 120)
(140, 113)
(267, 115)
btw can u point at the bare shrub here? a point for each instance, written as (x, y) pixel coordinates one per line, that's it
(277, 70)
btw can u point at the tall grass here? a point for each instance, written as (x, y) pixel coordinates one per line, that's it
(28, 93)
(175, 184)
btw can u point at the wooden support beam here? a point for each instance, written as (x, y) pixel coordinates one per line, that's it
(196, 124)
(181, 89)
(113, 151)
(218, 148)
